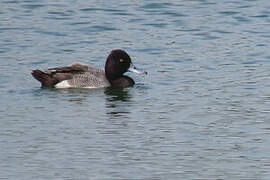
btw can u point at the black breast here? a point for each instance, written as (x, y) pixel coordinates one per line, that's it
(122, 82)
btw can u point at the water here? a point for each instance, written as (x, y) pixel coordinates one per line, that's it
(201, 113)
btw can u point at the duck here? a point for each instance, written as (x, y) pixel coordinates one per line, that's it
(80, 75)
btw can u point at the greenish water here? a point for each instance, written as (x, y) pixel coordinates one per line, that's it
(202, 112)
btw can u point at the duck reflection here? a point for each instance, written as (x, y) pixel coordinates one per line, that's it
(117, 94)
(117, 102)
(77, 96)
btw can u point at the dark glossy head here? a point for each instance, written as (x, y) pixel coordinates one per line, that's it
(118, 62)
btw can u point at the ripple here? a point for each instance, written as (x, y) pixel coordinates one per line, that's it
(10, 2)
(3, 50)
(38, 62)
(160, 25)
(189, 30)
(51, 33)
(122, 14)
(244, 6)
(134, 20)
(79, 23)
(156, 5)
(149, 50)
(222, 31)
(229, 13)
(67, 13)
(260, 16)
(68, 50)
(242, 19)
(174, 14)
(206, 36)
(96, 28)
(33, 6)
(102, 10)
(91, 9)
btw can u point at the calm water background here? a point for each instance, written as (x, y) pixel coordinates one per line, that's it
(203, 112)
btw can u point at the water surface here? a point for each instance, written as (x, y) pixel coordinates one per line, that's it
(201, 113)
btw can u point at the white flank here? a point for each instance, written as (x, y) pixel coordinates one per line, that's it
(62, 85)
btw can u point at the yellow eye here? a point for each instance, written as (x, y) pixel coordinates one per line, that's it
(121, 60)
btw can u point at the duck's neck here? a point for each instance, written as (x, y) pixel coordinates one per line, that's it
(111, 75)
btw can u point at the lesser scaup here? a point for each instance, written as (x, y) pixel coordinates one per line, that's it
(79, 75)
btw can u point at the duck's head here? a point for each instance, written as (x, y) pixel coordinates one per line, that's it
(118, 62)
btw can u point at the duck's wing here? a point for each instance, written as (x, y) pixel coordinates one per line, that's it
(73, 68)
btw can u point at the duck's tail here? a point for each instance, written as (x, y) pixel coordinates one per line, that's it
(44, 78)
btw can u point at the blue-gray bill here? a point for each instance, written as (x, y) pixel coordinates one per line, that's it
(135, 70)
